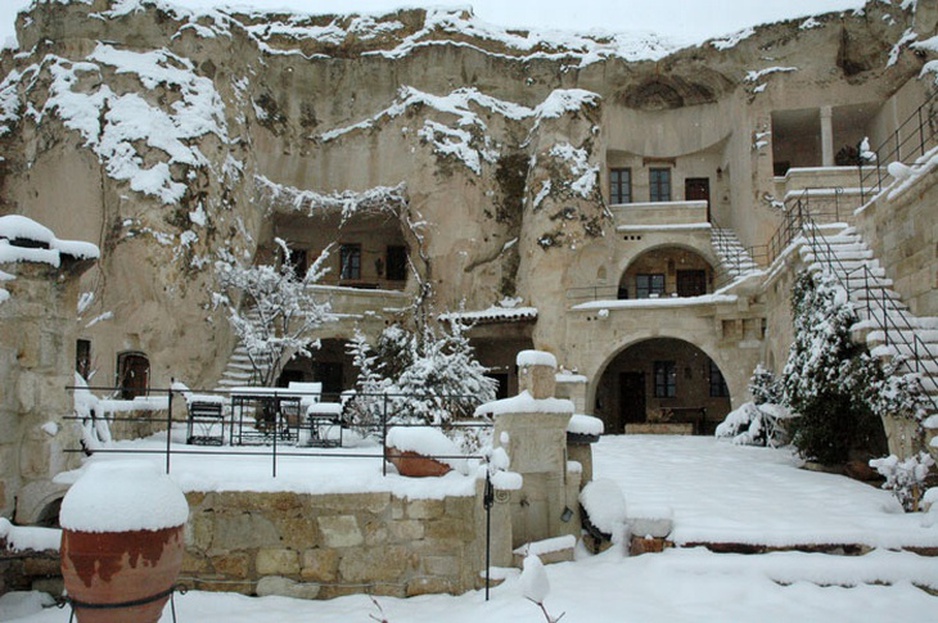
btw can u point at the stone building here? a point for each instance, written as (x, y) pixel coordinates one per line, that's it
(628, 208)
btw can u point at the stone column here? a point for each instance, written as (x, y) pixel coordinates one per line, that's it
(532, 428)
(827, 137)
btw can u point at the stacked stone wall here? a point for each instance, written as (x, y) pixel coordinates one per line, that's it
(325, 546)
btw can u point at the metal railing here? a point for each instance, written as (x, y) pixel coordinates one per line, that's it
(798, 213)
(897, 327)
(270, 441)
(912, 139)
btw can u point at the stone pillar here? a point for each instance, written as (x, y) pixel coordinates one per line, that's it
(37, 363)
(827, 137)
(532, 428)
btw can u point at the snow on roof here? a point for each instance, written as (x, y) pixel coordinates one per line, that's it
(119, 496)
(17, 231)
(495, 313)
(651, 303)
(274, 196)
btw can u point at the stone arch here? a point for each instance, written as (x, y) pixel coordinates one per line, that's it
(657, 380)
(330, 365)
(667, 270)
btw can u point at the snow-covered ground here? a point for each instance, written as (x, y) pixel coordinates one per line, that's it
(716, 492)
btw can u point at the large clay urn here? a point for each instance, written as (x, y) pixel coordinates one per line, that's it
(411, 449)
(122, 542)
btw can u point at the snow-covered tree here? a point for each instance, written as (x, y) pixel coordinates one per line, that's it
(760, 422)
(429, 375)
(277, 310)
(837, 390)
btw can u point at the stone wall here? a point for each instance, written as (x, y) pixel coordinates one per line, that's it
(903, 233)
(324, 546)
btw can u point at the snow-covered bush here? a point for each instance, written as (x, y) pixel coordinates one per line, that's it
(905, 479)
(426, 376)
(833, 385)
(762, 421)
(277, 310)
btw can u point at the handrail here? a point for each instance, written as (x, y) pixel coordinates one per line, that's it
(922, 128)
(916, 346)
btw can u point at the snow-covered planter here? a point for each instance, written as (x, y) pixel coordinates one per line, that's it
(421, 451)
(122, 542)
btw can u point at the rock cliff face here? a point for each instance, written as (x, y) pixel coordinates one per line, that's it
(174, 140)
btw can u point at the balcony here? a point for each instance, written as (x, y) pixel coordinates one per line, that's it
(660, 215)
(358, 301)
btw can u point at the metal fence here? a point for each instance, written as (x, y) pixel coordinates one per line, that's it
(267, 421)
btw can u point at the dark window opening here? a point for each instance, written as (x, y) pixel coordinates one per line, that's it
(659, 181)
(665, 379)
(648, 285)
(133, 375)
(83, 358)
(691, 282)
(718, 388)
(501, 391)
(397, 263)
(331, 375)
(299, 261)
(620, 186)
(350, 257)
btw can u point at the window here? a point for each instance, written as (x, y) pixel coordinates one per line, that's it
(665, 379)
(659, 182)
(620, 186)
(647, 285)
(83, 358)
(397, 263)
(350, 256)
(718, 388)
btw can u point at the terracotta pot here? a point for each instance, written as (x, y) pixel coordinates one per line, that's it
(101, 568)
(416, 465)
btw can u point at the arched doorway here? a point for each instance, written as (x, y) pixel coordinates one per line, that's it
(662, 385)
(666, 272)
(330, 365)
(133, 374)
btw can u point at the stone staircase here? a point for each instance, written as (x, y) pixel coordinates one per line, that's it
(239, 371)
(886, 324)
(735, 259)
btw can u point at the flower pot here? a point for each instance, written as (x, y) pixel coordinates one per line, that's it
(122, 542)
(409, 463)
(114, 577)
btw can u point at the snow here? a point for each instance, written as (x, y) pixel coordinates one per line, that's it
(585, 425)
(15, 226)
(755, 76)
(17, 604)
(427, 441)
(604, 503)
(119, 496)
(524, 403)
(22, 538)
(716, 492)
(496, 313)
(667, 301)
(548, 546)
(535, 358)
(534, 583)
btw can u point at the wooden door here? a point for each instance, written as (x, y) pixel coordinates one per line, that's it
(631, 398)
(698, 189)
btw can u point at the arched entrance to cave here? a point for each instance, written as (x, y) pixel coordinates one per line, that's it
(661, 385)
(330, 365)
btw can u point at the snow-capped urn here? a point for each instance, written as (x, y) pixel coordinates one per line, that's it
(122, 542)
(537, 373)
